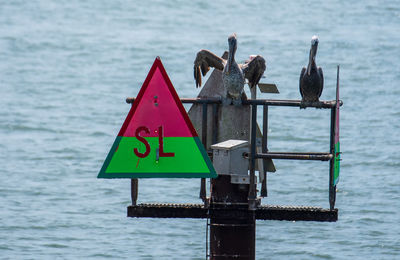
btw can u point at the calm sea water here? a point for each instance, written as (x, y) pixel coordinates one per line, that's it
(66, 68)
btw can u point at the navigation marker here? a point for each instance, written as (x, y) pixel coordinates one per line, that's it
(157, 139)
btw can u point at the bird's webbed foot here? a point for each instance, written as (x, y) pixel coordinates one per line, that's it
(303, 104)
(317, 104)
(226, 101)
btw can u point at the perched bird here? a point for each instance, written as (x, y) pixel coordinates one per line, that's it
(311, 78)
(233, 74)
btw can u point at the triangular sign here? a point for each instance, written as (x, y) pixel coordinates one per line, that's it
(157, 139)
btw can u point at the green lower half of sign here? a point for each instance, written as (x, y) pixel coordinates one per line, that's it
(337, 164)
(178, 157)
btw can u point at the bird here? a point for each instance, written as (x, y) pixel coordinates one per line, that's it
(234, 75)
(311, 81)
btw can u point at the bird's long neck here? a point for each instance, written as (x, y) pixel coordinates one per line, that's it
(311, 59)
(231, 57)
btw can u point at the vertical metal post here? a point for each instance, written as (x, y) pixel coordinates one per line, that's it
(264, 191)
(214, 123)
(332, 188)
(214, 141)
(204, 125)
(252, 189)
(203, 193)
(207, 224)
(134, 191)
(232, 236)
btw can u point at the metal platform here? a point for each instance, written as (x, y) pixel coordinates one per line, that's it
(263, 212)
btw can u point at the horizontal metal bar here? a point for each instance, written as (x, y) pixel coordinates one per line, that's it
(295, 156)
(263, 212)
(290, 103)
(296, 213)
(269, 102)
(298, 153)
(168, 211)
(211, 100)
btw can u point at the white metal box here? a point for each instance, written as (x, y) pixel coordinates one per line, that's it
(228, 157)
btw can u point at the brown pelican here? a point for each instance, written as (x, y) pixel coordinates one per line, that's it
(233, 75)
(311, 78)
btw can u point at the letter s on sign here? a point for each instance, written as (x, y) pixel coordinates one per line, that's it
(144, 141)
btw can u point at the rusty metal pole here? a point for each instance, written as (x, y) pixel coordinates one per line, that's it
(134, 190)
(264, 191)
(203, 193)
(252, 196)
(232, 234)
(232, 211)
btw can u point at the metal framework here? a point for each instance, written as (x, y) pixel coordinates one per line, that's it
(253, 155)
(232, 210)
